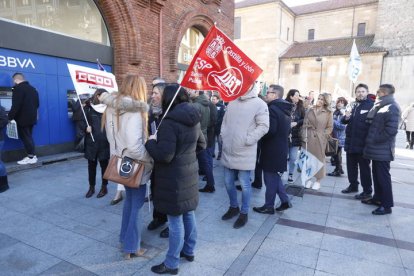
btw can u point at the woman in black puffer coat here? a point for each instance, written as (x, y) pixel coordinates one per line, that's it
(176, 174)
(97, 150)
(295, 140)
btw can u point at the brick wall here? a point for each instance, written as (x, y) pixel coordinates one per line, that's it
(134, 28)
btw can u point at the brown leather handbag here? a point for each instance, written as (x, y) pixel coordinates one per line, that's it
(125, 171)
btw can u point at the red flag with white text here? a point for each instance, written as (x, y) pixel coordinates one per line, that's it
(220, 65)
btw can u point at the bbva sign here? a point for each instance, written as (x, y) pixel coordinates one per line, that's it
(15, 62)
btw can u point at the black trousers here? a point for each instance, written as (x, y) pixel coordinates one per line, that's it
(353, 162)
(258, 171)
(25, 134)
(382, 183)
(155, 214)
(92, 164)
(410, 138)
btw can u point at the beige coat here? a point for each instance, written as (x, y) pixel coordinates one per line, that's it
(127, 138)
(319, 125)
(408, 118)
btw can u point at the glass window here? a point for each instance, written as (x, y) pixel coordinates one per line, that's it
(311, 34)
(296, 69)
(361, 29)
(80, 19)
(190, 43)
(287, 34)
(237, 27)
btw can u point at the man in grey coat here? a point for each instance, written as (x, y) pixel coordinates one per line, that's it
(245, 122)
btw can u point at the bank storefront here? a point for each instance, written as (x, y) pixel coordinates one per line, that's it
(38, 39)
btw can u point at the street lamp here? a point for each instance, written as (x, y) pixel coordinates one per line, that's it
(319, 59)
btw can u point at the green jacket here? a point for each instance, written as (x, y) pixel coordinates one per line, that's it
(201, 104)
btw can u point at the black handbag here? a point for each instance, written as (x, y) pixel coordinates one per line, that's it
(331, 146)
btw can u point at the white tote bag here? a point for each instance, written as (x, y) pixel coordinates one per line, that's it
(11, 130)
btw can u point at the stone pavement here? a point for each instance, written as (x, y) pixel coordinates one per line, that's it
(48, 227)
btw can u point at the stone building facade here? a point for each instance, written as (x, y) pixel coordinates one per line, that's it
(309, 49)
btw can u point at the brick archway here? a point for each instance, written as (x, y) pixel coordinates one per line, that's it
(191, 19)
(124, 34)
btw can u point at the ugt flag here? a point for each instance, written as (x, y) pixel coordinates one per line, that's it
(355, 64)
(220, 65)
(308, 164)
(86, 80)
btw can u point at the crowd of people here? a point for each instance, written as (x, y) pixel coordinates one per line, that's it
(251, 133)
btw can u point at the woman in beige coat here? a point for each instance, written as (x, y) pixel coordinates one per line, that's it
(318, 125)
(408, 118)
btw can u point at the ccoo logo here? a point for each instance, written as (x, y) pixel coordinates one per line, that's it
(229, 80)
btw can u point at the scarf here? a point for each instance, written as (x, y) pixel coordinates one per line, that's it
(381, 102)
(100, 108)
(156, 110)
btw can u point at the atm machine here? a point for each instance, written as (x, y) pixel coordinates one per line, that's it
(6, 97)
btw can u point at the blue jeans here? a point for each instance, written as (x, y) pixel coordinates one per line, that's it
(293, 155)
(205, 161)
(244, 179)
(274, 185)
(2, 167)
(183, 237)
(130, 236)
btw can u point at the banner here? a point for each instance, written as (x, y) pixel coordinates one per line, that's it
(220, 65)
(86, 80)
(308, 164)
(355, 64)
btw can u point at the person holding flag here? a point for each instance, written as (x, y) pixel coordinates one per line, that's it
(318, 125)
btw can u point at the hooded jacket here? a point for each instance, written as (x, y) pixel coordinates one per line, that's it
(176, 166)
(275, 144)
(245, 122)
(127, 138)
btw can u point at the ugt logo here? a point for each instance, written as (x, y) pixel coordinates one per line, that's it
(215, 47)
(229, 80)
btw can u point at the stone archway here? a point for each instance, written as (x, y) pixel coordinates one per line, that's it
(191, 19)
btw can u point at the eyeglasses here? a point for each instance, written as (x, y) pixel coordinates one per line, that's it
(270, 92)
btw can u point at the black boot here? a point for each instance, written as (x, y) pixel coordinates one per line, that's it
(241, 221)
(90, 192)
(4, 184)
(102, 192)
(335, 173)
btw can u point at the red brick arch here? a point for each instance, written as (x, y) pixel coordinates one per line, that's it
(191, 19)
(124, 33)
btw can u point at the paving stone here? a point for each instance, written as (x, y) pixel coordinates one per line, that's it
(347, 265)
(66, 269)
(6, 241)
(296, 235)
(266, 266)
(21, 259)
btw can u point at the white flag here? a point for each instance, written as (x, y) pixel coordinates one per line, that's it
(308, 164)
(355, 64)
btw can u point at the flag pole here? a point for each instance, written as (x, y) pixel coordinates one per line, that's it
(84, 115)
(168, 109)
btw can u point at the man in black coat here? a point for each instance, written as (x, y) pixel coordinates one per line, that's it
(274, 150)
(356, 133)
(25, 103)
(380, 146)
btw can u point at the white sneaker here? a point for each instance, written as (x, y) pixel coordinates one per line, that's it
(316, 185)
(28, 160)
(308, 184)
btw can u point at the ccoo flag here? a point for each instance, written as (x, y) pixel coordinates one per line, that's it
(308, 164)
(355, 64)
(220, 65)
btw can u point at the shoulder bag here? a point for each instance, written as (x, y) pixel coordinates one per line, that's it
(331, 146)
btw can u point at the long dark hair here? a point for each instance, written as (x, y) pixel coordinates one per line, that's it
(168, 95)
(299, 104)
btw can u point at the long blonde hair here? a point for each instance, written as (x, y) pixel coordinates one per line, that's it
(327, 101)
(134, 87)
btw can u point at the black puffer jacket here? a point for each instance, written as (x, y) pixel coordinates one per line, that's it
(297, 116)
(3, 122)
(98, 150)
(380, 142)
(357, 129)
(176, 167)
(274, 145)
(25, 102)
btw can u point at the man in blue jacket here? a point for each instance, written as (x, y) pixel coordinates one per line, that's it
(356, 133)
(380, 146)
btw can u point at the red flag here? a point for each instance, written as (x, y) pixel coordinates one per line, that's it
(220, 65)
